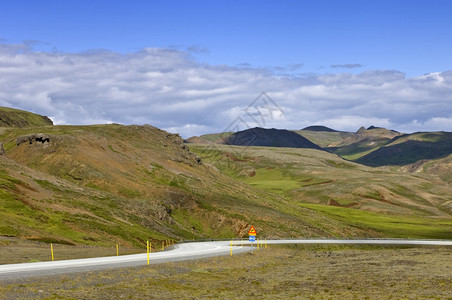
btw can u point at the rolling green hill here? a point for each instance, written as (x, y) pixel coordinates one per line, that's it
(10, 117)
(408, 149)
(105, 184)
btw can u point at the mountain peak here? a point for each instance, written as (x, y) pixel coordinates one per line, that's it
(270, 138)
(319, 128)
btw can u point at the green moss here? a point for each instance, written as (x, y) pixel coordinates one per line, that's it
(397, 226)
(273, 180)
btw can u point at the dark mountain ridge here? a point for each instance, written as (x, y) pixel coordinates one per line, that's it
(269, 138)
(410, 148)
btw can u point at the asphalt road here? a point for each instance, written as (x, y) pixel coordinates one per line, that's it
(184, 251)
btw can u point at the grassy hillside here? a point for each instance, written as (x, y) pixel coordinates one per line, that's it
(390, 202)
(361, 147)
(408, 149)
(441, 167)
(111, 183)
(325, 138)
(10, 117)
(217, 138)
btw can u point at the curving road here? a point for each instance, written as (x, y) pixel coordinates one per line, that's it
(185, 251)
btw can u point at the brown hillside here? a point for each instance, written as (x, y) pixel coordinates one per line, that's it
(106, 183)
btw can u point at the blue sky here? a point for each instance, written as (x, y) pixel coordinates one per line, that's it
(293, 47)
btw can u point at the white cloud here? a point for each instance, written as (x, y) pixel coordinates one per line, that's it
(169, 89)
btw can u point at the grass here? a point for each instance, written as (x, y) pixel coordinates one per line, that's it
(400, 226)
(20, 118)
(273, 180)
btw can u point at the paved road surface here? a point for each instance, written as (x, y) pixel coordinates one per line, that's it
(178, 252)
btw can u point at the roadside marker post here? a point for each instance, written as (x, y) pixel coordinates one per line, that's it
(163, 246)
(117, 250)
(147, 251)
(51, 251)
(231, 248)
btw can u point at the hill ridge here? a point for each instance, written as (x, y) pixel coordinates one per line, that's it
(10, 117)
(269, 138)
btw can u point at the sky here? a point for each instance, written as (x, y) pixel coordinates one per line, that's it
(196, 67)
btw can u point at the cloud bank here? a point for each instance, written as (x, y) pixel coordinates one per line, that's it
(346, 66)
(169, 89)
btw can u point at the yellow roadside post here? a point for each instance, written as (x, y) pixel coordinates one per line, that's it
(51, 251)
(117, 250)
(231, 248)
(147, 251)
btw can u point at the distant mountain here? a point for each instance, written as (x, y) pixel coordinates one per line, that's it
(319, 128)
(372, 146)
(377, 132)
(10, 117)
(410, 148)
(324, 136)
(216, 138)
(363, 142)
(269, 138)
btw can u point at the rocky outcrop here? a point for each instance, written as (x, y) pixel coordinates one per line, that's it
(33, 138)
(175, 138)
